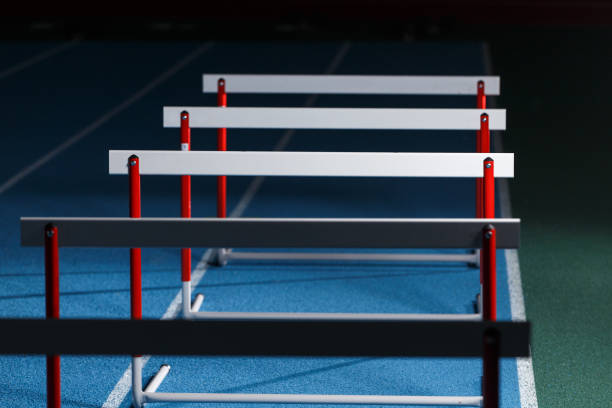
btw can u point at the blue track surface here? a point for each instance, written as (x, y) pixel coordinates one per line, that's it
(53, 100)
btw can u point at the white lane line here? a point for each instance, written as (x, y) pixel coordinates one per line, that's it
(104, 118)
(37, 58)
(524, 365)
(123, 386)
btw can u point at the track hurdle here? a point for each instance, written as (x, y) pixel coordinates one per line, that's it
(342, 339)
(310, 233)
(480, 86)
(327, 164)
(352, 84)
(332, 118)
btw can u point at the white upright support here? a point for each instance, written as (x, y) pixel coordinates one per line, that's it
(351, 84)
(334, 118)
(137, 395)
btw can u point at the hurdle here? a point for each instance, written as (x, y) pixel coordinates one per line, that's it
(490, 234)
(343, 339)
(327, 118)
(480, 86)
(318, 164)
(351, 84)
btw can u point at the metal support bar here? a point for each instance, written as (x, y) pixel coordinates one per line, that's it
(315, 399)
(332, 256)
(301, 316)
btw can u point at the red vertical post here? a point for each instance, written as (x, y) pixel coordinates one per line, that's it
(490, 369)
(488, 272)
(483, 146)
(135, 253)
(481, 103)
(488, 189)
(52, 312)
(487, 204)
(185, 196)
(481, 98)
(221, 146)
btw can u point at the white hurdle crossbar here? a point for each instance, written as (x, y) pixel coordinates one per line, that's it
(334, 118)
(310, 164)
(317, 164)
(55, 232)
(351, 84)
(212, 163)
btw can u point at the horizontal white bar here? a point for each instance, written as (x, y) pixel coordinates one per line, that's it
(313, 399)
(352, 84)
(333, 316)
(334, 118)
(310, 164)
(336, 256)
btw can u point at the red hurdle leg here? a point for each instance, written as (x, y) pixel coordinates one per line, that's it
(221, 146)
(487, 255)
(481, 103)
(185, 196)
(52, 312)
(489, 277)
(483, 141)
(135, 253)
(490, 369)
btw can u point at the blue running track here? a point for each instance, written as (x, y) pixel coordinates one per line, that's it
(79, 93)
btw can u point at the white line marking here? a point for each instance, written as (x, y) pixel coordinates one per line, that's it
(524, 365)
(37, 58)
(123, 386)
(104, 118)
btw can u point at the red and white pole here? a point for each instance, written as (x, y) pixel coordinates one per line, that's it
(185, 196)
(221, 146)
(135, 253)
(488, 269)
(490, 369)
(52, 312)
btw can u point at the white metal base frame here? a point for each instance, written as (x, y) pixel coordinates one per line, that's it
(222, 255)
(191, 311)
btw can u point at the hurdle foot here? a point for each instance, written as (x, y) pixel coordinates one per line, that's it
(476, 261)
(157, 379)
(219, 257)
(197, 302)
(477, 304)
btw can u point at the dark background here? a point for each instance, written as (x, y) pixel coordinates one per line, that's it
(555, 63)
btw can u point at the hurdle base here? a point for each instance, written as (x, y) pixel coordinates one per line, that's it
(197, 303)
(157, 379)
(225, 255)
(255, 316)
(219, 256)
(475, 401)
